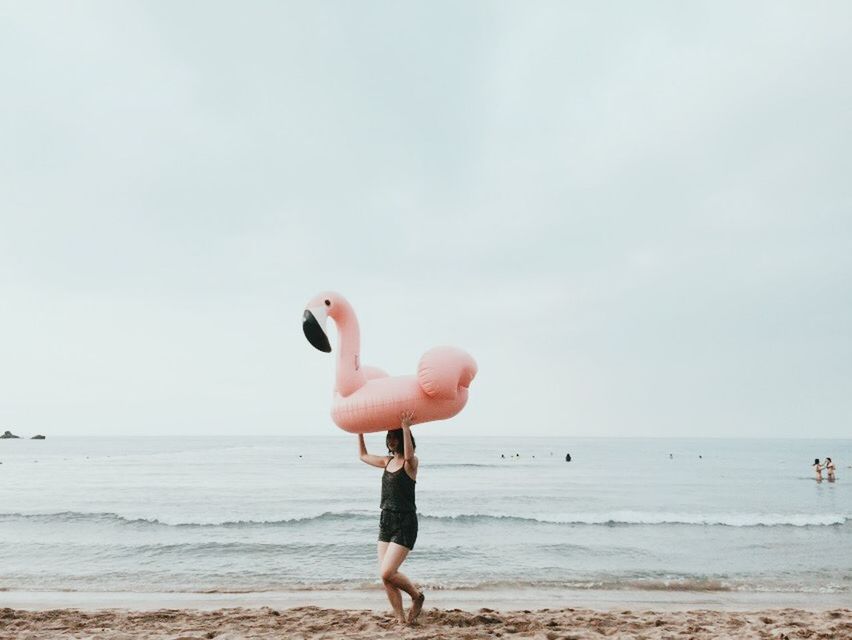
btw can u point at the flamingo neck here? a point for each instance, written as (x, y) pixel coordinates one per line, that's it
(350, 378)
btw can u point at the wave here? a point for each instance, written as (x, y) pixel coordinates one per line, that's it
(680, 584)
(114, 518)
(464, 465)
(625, 518)
(628, 518)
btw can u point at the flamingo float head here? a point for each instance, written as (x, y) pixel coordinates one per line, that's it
(313, 324)
(327, 304)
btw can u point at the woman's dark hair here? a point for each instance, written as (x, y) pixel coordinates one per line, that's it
(395, 437)
(816, 461)
(827, 459)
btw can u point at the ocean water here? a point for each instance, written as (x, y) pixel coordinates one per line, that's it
(258, 514)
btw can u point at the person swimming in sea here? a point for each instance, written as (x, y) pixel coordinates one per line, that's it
(829, 469)
(398, 521)
(818, 470)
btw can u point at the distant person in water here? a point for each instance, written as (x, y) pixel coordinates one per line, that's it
(829, 469)
(398, 522)
(818, 470)
(567, 457)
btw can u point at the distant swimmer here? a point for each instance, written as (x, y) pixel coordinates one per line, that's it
(699, 456)
(567, 457)
(829, 468)
(503, 455)
(671, 456)
(818, 470)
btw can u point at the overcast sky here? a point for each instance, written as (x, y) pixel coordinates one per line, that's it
(636, 216)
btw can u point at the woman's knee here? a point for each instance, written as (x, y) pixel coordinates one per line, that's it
(386, 574)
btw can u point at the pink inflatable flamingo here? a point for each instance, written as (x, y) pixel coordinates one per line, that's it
(367, 399)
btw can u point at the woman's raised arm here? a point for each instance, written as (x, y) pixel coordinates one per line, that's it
(376, 461)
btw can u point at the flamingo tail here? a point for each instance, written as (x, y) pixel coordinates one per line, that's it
(442, 371)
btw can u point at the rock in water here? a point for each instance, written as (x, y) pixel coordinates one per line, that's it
(38, 437)
(8, 435)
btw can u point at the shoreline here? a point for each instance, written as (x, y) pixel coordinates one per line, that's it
(461, 599)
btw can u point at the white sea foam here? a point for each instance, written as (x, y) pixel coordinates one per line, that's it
(663, 518)
(593, 519)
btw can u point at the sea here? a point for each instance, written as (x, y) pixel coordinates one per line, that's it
(255, 514)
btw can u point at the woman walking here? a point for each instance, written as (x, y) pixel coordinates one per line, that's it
(398, 522)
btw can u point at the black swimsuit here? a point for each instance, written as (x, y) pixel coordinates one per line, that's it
(398, 522)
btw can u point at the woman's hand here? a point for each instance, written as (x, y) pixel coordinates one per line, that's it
(406, 420)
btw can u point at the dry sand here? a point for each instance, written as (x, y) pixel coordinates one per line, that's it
(315, 622)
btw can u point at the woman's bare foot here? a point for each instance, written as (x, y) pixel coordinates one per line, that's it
(416, 607)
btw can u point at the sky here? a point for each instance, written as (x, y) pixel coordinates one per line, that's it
(637, 217)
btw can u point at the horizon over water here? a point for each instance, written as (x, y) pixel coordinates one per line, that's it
(232, 514)
(442, 435)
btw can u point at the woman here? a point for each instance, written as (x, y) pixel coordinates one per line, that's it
(398, 522)
(818, 470)
(829, 467)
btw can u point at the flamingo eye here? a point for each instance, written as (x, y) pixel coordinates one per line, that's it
(328, 303)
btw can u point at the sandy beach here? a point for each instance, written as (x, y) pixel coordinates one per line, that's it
(316, 622)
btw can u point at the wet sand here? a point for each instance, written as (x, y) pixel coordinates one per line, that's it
(504, 599)
(316, 622)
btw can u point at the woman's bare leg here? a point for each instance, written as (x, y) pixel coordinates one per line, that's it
(394, 556)
(394, 596)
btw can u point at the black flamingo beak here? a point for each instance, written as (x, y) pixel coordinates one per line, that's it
(315, 330)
